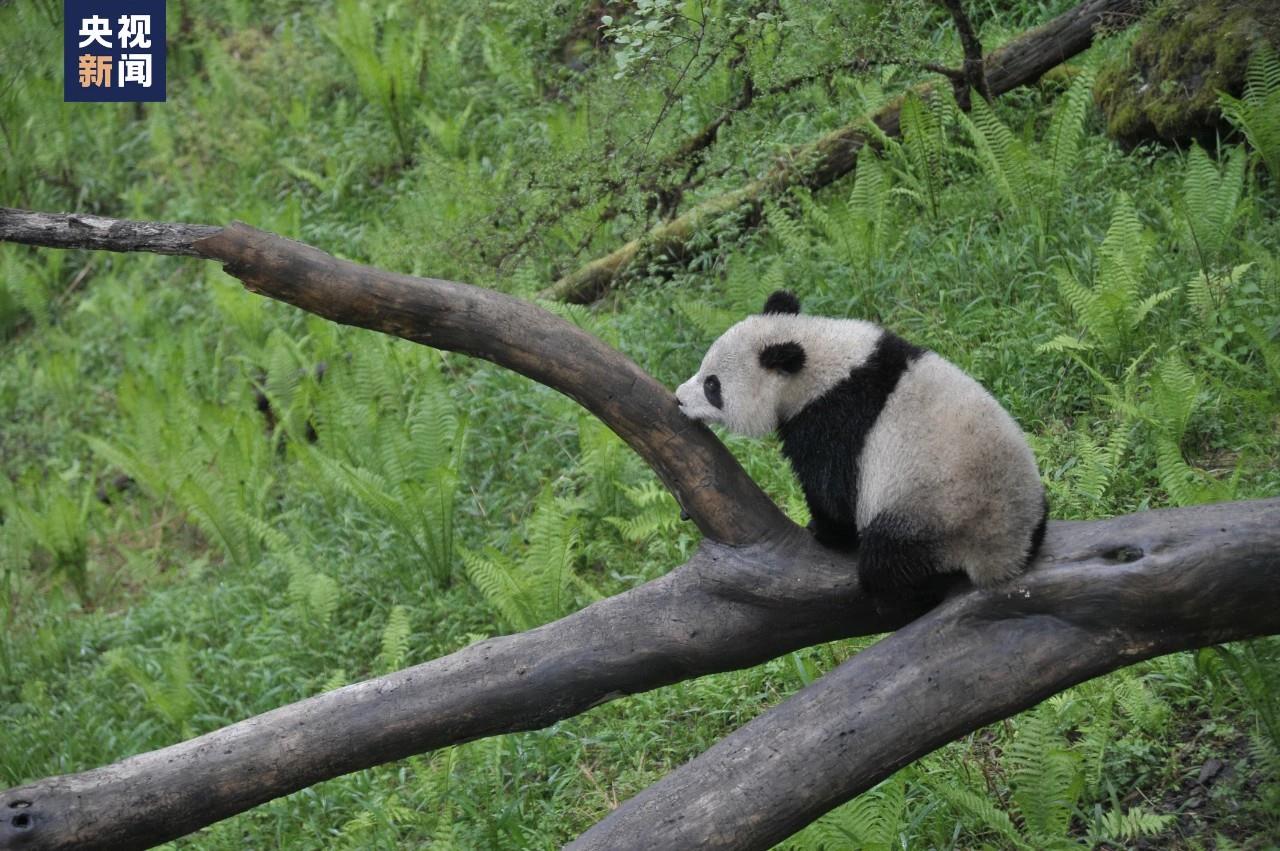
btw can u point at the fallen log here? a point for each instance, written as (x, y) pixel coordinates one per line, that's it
(1018, 63)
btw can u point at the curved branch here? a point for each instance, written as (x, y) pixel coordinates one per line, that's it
(1111, 594)
(708, 482)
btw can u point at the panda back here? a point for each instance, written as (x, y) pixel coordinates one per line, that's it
(945, 454)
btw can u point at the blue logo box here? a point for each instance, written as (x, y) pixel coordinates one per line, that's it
(113, 50)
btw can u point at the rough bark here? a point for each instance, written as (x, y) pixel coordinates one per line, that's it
(1102, 594)
(74, 230)
(1018, 63)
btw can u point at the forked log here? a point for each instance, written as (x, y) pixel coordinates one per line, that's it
(1101, 595)
(1018, 63)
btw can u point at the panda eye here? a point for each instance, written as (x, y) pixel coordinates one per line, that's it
(711, 387)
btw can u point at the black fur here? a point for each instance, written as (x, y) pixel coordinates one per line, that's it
(711, 389)
(783, 357)
(1037, 536)
(894, 556)
(842, 417)
(781, 302)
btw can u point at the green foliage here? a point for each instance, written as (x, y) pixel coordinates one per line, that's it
(539, 585)
(1065, 137)
(874, 821)
(209, 459)
(1113, 307)
(395, 641)
(925, 147)
(1210, 207)
(47, 524)
(386, 50)
(399, 462)
(1005, 159)
(241, 505)
(165, 680)
(1257, 113)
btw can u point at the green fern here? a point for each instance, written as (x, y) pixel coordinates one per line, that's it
(653, 513)
(1047, 779)
(924, 148)
(859, 222)
(395, 640)
(313, 595)
(402, 458)
(1210, 206)
(1066, 133)
(1091, 470)
(1004, 158)
(1175, 390)
(874, 821)
(166, 683)
(541, 585)
(788, 230)
(386, 50)
(1113, 307)
(1135, 823)
(1208, 292)
(978, 810)
(50, 523)
(1257, 113)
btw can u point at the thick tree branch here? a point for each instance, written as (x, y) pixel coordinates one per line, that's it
(1018, 63)
(708, 482)
(1104, 595)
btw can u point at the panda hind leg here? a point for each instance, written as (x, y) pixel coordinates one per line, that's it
(893, 555)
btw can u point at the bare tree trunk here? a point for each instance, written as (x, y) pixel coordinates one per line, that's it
(1102, 594)
(1019, 63)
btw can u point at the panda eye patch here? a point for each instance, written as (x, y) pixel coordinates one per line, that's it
(711, 387)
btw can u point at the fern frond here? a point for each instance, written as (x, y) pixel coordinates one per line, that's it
(1257, 113)
(1002, 156)
(1136, 823)
(979, 808)
(1066, 131)
(395, 640)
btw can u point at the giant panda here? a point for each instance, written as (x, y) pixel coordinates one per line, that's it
(898, 451)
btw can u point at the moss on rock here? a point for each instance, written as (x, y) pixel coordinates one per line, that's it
(1186, 52)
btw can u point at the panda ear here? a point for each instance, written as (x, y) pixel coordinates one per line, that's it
(781, 302)
(783, 357)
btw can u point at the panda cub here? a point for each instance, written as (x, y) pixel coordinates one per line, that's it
(897, 450)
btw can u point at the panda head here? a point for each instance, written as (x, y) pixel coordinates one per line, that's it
(761, 371)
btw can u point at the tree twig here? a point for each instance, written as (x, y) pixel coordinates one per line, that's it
(974, 74)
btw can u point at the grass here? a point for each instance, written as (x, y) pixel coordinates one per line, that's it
(172, 561)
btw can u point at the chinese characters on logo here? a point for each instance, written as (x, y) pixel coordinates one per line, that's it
(115, 51)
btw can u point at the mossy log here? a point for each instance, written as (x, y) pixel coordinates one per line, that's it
(1187, 52)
